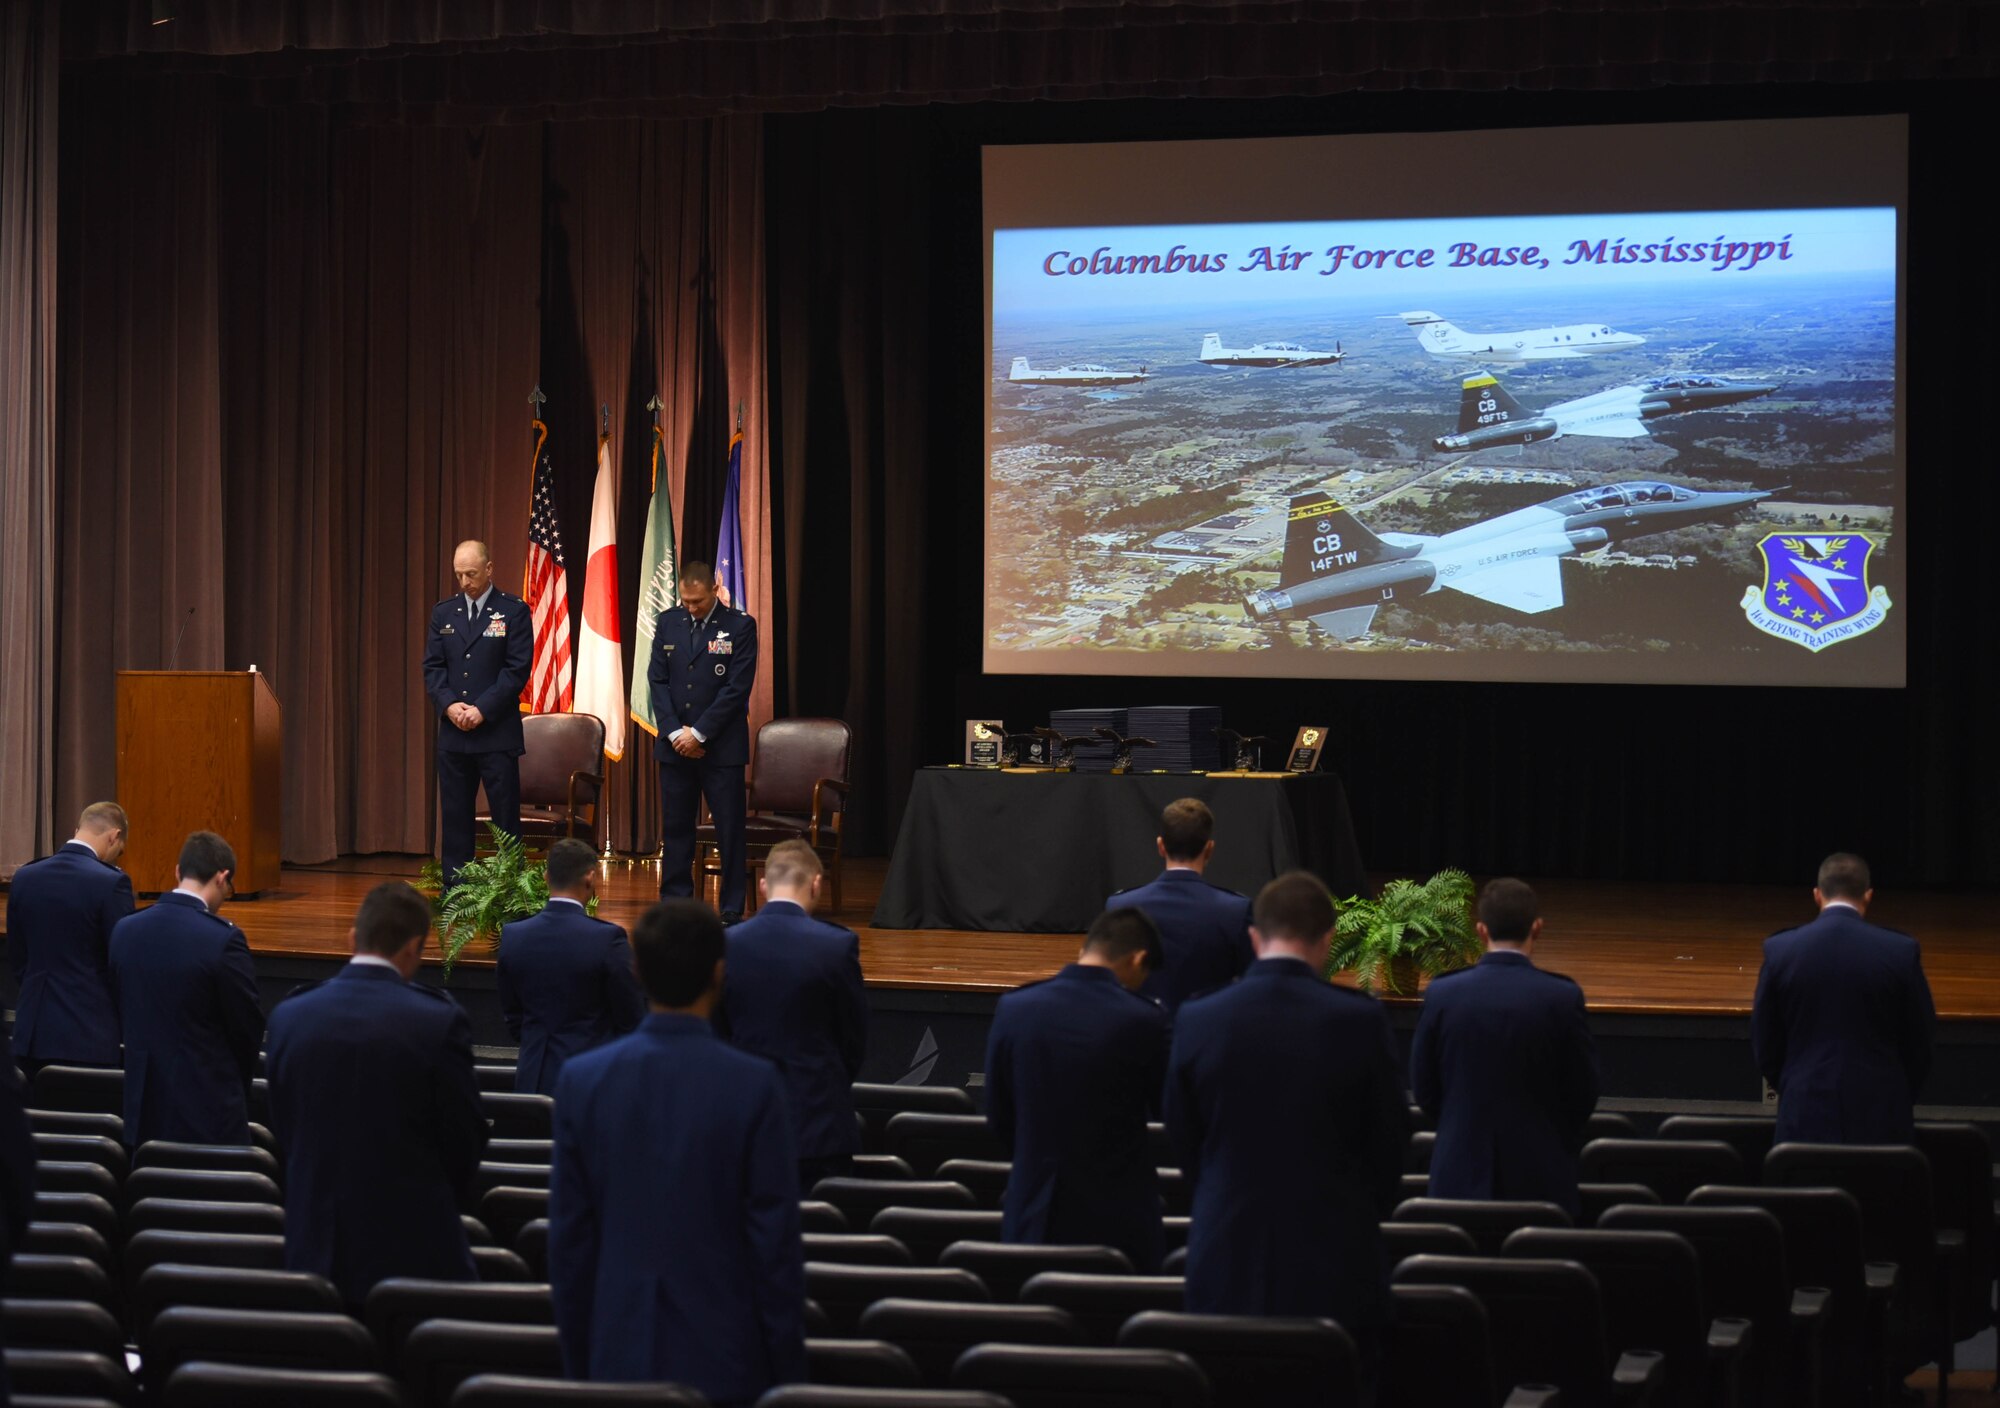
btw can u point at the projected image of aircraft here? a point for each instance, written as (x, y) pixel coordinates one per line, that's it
(1338, 574)
(1442, 339)
(1266, 354)
(1077, 374)
(1487, 415)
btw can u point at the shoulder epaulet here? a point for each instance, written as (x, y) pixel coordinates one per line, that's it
(1441, 977)
(1564, 976)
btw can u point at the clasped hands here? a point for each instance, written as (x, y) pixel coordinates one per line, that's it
(687, 745)
(465, 716)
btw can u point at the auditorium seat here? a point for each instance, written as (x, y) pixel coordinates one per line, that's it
(90, 1209)
(494, 1175)
(1743, 1273)
(1439, 1350)
(843, 1292)
(1415, 1185)
(1174, 1263)
(928, 1231)
(397, 1306)
(878, 1104)
(817, 1322)
(1006, 1267)
(837, 1396)
(199, 1215)
(1673, 1168)
(1174, 1230)
(242, 1158)
(1401, 1239)
(439, 1355)
(856, 1249)
(67, 1239)
(521, 1151)
(500, 1264)
(211, 1385)
(270, 1339)
(505, 1211)
(202, 1185)
(517, 1391)
(859, 1363)
(498, 1079)
(935, 1333)
(1594, 1198)
(531, 1244)
(881, 1166)
(61, 1324)
(1255, 1359)
(927, 1140)
(1038, 1377)
(107, 1153)
(78, 1122)
(70, 1373)
(1417, 1153)
(861, 1198)
(1546, 1326)
(816, 1215)
(35, 1277)
(518, 1116)
(144, 1250)
(1649, 1284)
(1488, 1223)
(1749, 1135)
(1102, 1304)
(1175, 1194)
(476, 1232)
(84, 1090)
(1961, 1160)
(71, 1176)
(228, 1288)
(986, 1178)
(1608, 1124)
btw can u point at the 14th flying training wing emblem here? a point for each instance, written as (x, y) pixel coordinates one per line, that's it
(1816, 591)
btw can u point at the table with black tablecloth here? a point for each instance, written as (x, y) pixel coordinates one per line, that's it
(1038, 852)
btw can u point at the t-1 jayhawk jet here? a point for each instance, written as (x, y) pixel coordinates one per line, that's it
(1266, 354)
(1487, 415)
(1442, 339)
(1076, 374)
(1338, 574)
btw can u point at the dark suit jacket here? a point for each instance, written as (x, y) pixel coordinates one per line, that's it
(1074, 1068)
(1503, 1060)
(674, 1248)
(60, 913)
(1285, 1099)
(1204, 934)
(374, 1104)
(483, 663)
(1842, 1029)
(17, 1179)
(566, 984)
(187, 997)
(701, 679)
(792, 994)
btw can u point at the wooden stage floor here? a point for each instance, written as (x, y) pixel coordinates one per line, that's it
(1645, 949)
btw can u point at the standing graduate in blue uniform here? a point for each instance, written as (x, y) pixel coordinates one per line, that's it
(674, 1246)
(477, 656)
(704, 663)
(1843, 1020)
(1285, 1099)
(1074, 1068)
(376, 1111)
(565, 978)
(60, 914)
(1204, 929)
(187, 999)
(795, 998)
(1503, 1060)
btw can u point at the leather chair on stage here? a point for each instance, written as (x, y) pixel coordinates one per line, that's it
(798, 787)
(562, 779)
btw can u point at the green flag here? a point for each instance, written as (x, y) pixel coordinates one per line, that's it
(656, 589)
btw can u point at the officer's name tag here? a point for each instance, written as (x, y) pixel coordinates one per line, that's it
(722, 647)
(497, 626)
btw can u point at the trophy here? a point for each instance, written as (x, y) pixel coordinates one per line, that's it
(1061, 749)
(1121, 748)
(1306, 749)
(984, 739)
(1249, 749)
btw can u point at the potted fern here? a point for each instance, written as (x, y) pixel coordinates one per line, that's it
(491, 890)
(1409, 932)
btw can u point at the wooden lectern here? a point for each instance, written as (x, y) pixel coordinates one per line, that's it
(199, 750)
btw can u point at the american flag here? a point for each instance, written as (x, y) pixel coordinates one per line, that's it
(547, 594)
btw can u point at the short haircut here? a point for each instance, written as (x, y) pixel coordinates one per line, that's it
(695, 570)
(1844, 876)
(101, 817)
(569, 861)
(792, 863)
(1117, 932)
(391, 915)
(484, 554)
(204, 855)
(1295, 906)
(1508, 908)
(1186, 828)
(675, 947)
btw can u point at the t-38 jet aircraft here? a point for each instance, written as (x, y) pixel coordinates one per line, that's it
(1266, 354)
(1337, 574)
(1442, 339)
(1487, 415)
(1076, 374)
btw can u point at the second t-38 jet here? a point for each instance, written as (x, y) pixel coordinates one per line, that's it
(1266, 354)
(1337, 573)
(1487, 415)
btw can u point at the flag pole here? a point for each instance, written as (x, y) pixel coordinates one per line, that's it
(659, 857)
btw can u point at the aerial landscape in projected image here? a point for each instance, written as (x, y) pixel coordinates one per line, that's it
(1576, 461)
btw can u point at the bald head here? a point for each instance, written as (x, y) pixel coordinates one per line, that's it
(473, 567)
